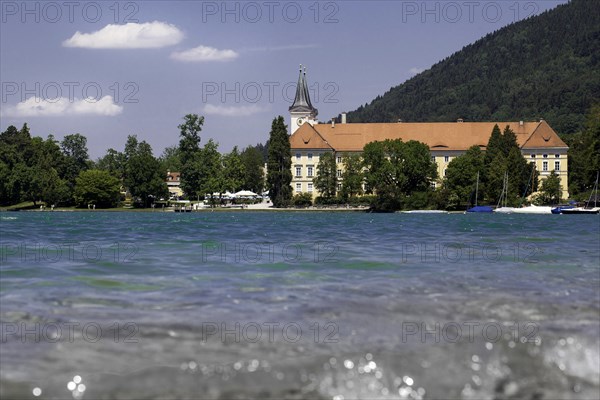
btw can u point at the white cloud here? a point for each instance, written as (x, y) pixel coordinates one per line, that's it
(232, 111)
(416, 70)
(204, 53)
(37, 107)
(129, 36)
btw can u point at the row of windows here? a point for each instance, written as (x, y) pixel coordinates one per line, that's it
(544, 166)
(299, 187)
(309, 156)
(309, 187)
(310, 171)
(546, 156)
(446, 158)
(310, 168)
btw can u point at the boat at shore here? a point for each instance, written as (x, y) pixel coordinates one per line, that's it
(501, 206)
(533, 209)
(587, 209)
(425, 212)
(480, 209)
(476, 208)
(581, 210)
(559, 209)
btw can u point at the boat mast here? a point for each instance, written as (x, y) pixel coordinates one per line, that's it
(594, 193)
(505, 188)
(504, 193)
(527, 187)
(476, 188)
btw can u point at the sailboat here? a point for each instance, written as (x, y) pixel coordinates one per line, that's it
(587, 209)
(476, 208)
(532, 209)
(501, 207)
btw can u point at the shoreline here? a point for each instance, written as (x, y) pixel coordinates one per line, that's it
(203, 210)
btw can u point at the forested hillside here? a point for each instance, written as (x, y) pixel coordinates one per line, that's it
(547, 66)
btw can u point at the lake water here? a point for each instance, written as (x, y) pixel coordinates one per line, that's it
(272, 305)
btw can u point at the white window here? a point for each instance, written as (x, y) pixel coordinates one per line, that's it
(557, 156)
(339, 173)
(309, 156)
(445, 170)
(545, 166)
(310, 187)
(339, 159)
(298, 171)
(533, 156)
(298, 156)
(545, 156)
(446, 158)
(339, 186)
(298, 187)
(310, 171)
(557, 165)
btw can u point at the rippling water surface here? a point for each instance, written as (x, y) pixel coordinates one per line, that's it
(273, 305)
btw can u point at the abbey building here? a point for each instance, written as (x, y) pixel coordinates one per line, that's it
(309, 139)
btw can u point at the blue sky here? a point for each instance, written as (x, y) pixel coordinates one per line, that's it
(108, 69)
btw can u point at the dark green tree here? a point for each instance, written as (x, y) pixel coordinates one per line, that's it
(352, 177)
(253, 162)
(520, 180)
(74, 148)
(418, 167)
(144, 178)
(31, 169)
(189, 137)
(171, 159)
(494, 178)
(584, 155)
(97, 187)
(461, 176)
(17, 155)
(209, 171)
(495, 146)
(550, 189)
(113, 162)
(279, 173)
(46, 184)
(394, 169)
(189, 153)
(233, 171)
(326, 179)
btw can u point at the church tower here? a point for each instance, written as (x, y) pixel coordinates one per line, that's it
(302, 111)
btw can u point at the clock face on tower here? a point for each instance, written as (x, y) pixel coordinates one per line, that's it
(300, 121)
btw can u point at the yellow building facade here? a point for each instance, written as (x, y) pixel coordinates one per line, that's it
(539, 144)
(309, 140)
